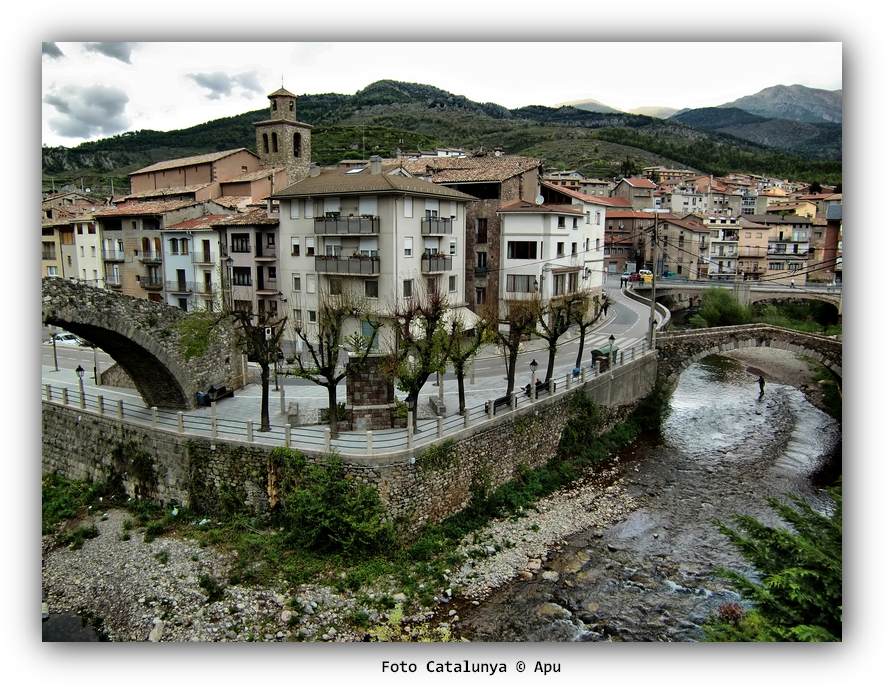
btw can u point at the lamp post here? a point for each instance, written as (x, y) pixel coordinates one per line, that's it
(80, 371)
(533, 366)
(229, 262)
(54, 352)
(610, 352)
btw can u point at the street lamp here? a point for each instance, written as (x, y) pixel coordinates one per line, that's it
(80, 371)
(610, 352)
(229, 262)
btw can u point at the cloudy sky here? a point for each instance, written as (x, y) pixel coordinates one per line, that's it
(92, 90)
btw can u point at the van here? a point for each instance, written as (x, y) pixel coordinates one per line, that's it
(646, 275)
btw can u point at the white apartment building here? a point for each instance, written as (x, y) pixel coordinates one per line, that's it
(383, 237)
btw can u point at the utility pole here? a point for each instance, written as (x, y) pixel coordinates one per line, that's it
(653, 319)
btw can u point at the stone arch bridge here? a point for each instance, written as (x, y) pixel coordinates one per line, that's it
(678, 350)
(140, 335)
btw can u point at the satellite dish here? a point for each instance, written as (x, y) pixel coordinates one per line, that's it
(538, 199)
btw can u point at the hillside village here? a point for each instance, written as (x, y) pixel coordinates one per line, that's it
(273, 232)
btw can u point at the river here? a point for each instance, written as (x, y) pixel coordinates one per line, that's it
(652, 576)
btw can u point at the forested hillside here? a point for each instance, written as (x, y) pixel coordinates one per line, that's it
(389, 114)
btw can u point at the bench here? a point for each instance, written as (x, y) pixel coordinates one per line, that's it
(501, 402)
(220, 393)
(542, 387)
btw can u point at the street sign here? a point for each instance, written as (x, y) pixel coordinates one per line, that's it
(268, 333)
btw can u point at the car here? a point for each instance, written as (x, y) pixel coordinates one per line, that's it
(69, 338)
(645, 275)
(634, 277)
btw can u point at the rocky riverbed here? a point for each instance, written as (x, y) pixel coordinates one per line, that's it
(162, 591)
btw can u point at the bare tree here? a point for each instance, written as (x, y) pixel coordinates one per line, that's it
(553, 321)
(326, 345)
(256, 334)
(521, 316)
(461, 347)
(587, 311)
(422, 349)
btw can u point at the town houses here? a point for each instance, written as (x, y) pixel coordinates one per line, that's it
(275, 232)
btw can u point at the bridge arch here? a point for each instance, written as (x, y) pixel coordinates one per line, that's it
(140, 335)
(678, 350)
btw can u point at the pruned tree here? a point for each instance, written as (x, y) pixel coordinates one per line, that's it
(256, 334)
(325, 341)
(463, 344)
(553, 321)
(422, 342)
(521, 316)
(587, 310)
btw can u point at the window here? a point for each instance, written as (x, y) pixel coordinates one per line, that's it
(597, 245)
(239, 242)
(311, 246)
(560, 249)
(521, 250)
(271, 272)
(185, 246)
(409, 246)
(296, 246)
(573, 224)
(573, 249)
(453, 209)
(52, 271)
(561, 222)
(311, 284)
(335, 286)
(182, 303)
(311, 316)
(242, 275)
(431, 285)
(49, 250)
(371, 289)
(758, 235)
(93, 250)
(452, 247)
(274, 306)
(480, 295)
(82, 251)
(367, 332)
(296, 283)
(294, 206)
(308, 208)
(271, 239)
(407, 288)
(331, 205)
(519, 283)
(431, 208)
(408, 207)
(368, 206)
(452, 283)
(481, 231)
(173, 246)
(296, 140)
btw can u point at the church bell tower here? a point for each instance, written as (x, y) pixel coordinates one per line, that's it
(282, 140)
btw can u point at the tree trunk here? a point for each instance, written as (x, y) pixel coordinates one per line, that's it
(461, 397)
(580, 348)
(551, 363)
(511, 370)
(333, 409)
(265, 398)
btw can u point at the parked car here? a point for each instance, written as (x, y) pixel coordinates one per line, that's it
(634, 277)
(646, 275)
(69, 338)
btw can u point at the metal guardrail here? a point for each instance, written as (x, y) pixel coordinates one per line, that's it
(205, 423)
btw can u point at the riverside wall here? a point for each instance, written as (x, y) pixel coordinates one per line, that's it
(418, 486)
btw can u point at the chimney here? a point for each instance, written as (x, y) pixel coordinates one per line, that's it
(374, 164)
(314, 169)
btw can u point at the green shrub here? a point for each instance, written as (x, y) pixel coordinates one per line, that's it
(719, 307)
(438, 456)
(63, 499)
(76, 537)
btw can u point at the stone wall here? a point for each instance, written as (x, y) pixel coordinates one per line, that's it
(370, 396)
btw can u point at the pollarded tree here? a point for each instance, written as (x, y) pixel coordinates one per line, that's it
(258, 335)
(587, 311)
(461, 347)
(325, 341)
(554, 320)
(422, 342)
(521, 316)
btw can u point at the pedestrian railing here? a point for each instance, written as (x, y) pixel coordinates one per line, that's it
(206, 424)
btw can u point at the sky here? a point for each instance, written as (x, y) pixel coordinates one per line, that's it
(92, 90)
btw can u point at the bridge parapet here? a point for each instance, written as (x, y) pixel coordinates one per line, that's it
(678, 350)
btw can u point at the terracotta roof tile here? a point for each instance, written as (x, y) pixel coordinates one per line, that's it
(189, 161)
(339, 182)
(207, 221)
(165, 192)
(469, 169)
(146, 208)
(519, 206)
(254, 175)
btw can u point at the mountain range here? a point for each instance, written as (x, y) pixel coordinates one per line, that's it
(387, 115)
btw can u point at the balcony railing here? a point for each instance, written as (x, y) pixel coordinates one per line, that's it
(361, 265)
(113, 281)
(179, 286)
(206, 288)
(436, 226)
(481, 271)
(203, 257)
(49, 256)
(346, 225)
(151, 283)
(148, 257)
(432, 263)
(114, 255)
(267, 253)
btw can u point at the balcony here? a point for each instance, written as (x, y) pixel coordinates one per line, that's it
(49, 255)
(113, 255)
(113, 281)
(346, 225)
(434, 262)
(208, 289)
(436, 226)
(203, 257)
(150, 257)
(481, 271)
(179, 286)
(266, 254)
(151, 283)
(361, 265)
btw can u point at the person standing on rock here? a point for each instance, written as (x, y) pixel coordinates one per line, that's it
(761, 386)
